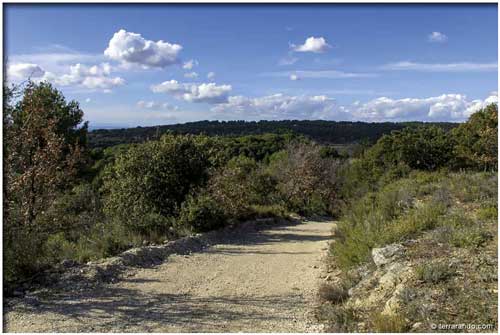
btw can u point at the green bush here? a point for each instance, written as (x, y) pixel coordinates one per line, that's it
(57, 248)
(145, 187)
(380, 218)
(477, 140)
(199, 214)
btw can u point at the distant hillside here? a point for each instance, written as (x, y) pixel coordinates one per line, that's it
(333, 132)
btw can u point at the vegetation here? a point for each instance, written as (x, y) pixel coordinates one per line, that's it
(68, 202)
(431, 182)
(439, 191)
(331, 132)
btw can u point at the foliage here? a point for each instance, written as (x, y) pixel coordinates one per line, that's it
(306, 180)
(146, 186)
(434, 272)
(42, 153)
(321, 131)
(422, 148)
(477, 140)
(382, 323)
(199, 214)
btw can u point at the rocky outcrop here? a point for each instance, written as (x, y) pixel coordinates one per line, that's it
(384, 284)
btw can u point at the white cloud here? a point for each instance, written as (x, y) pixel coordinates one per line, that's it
(191, 75)
(94, 77)
(190, 64)
(88, 100)
(132, 48)
(294, 77)
(209, 93)
(443, 67)
(211, 75)
(280, 107)
(320, 74)
(24, 71)
(446, 107)
(312, 44)
(437, 37)
(56, 61)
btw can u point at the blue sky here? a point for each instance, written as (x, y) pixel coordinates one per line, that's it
(134, 65)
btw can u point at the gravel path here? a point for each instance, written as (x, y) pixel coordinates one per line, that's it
(264, 281)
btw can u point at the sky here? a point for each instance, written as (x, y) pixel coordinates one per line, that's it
(151, 64)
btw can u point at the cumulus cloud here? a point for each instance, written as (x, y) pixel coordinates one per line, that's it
(280, 107)
(312, 44)
(191, 75)
(446, 107)
(23, 71)
(437, 37)
(57, 61)
(211, 75)
(443, 67)
(294, 77)
(94, 77)
(206, 92)
(190, 64)
(132, 48)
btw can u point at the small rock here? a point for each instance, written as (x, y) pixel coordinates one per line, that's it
(416, 325)
(387, 254)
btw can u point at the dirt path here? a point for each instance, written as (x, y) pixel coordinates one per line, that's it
(264, 281)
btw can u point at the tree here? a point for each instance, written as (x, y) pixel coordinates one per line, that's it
(422, 148)
(306, 179)
(476, 140)
(42, 149)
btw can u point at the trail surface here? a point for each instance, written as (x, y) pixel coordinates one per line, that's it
(264, 281)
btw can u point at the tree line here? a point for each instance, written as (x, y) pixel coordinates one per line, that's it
(332, 132)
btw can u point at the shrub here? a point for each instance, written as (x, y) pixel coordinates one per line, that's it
(145, 186)
(470, 236)
(488, 212)
(230, 187)
(382, 323)
(200, 213)
(341, 319)
(380, 218)
(332, 293)
(307, 182)
(57, 248)
(421, 148)
(476, 140)
(269, 211)
(434, 272)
